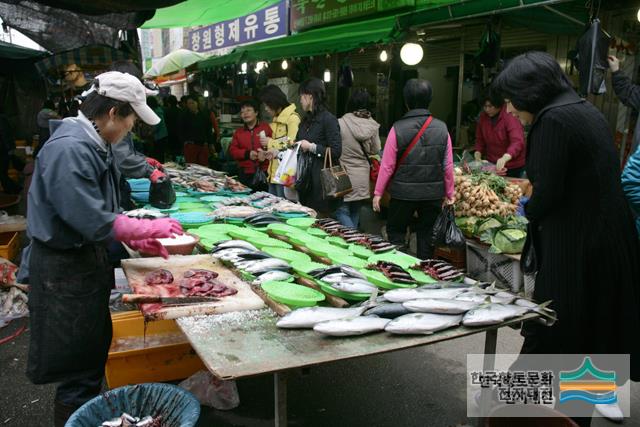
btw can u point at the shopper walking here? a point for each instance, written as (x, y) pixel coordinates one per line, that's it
(318, 131)
(360, 139)
(581, 231)
(284, 129)
(500, 137)
(417, 168)
(195, 133)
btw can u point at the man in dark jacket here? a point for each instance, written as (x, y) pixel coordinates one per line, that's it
(246, 148)
(195, 133)
(418, 175)
(628, 93)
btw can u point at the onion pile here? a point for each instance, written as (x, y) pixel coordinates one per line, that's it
(484, 195)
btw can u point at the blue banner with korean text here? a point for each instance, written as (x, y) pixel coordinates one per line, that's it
(264, 24)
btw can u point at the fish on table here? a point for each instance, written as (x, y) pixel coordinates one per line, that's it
(308, 317)
(354, 326)
(422, 323)
(404, 295)
(492, 314)
(440, 306)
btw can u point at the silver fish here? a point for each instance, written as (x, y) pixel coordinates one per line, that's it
(404, 295)
(354, 326)
(440, 305)
(389, 311)
(360, 287)
(481, 298)
(334, 278)
(274, 275)
(236, 244)
(491, 314)
(225, 254)
(308, 317)
(268, 264)
(422, 323)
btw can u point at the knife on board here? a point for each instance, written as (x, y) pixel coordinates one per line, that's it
(147, 299)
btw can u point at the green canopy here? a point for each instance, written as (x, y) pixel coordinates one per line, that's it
(12, 51)
(204, 12)
(337, 38)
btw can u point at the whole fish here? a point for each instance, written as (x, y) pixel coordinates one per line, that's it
(234, 244)
(264, 265)
(404, 295)
(255, 255)
(480, 298)
(359, 287)
(274, 275)
(493, 313)
(422, 323)
(308, 317)
(319, 273)
(227, 254)
(439, 305)
(334, 278)
(388, 311)
(354, 326)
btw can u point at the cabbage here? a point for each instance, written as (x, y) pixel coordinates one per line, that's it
(486, 224)
(508, 241)
(467, 224)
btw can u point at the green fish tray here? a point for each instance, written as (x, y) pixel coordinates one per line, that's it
(213, 198)
(292, 294)
(337, 241)
(173, 208)
(187, 199)
(361, 251)
(244, 233)
(352, 261)
(403, 260)
(422, 277)
(288, 255)
(344, 295)
(380, 280)
(314, 231)
(327, 250)
(302, 223)
(283, 229)
(305, 240)
(261, 242)
(304, 267)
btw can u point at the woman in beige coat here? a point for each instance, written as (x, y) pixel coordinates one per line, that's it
(360, 140)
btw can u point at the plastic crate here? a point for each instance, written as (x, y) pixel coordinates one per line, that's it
(9, 245)
(488, 267)
(529, 285)
(161, 353)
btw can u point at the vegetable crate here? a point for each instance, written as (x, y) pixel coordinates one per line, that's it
(485, 266)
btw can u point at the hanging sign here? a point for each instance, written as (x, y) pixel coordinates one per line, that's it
(264, 24)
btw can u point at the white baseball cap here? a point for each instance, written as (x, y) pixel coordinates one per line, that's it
(127, 88)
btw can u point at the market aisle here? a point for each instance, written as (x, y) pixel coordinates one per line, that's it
(402, 388)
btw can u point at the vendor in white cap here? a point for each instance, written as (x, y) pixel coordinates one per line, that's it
(74, 205)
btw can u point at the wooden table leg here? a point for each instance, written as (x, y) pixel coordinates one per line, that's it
(280, 396)
(490, 342)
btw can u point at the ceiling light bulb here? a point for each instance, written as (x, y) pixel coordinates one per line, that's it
(206, 94)
(284, 64)
(243, 67)
(327, 75)
(411, 53)
(260, 65)
(384, 56)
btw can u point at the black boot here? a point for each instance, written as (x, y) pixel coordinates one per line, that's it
(62, 412)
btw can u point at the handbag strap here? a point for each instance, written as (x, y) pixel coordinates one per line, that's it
(414, 141)
(327, 155)
(366, 156)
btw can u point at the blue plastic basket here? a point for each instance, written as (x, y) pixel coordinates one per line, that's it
(139, 185)
(176, 406)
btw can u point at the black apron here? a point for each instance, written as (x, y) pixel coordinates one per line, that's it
(70, 323)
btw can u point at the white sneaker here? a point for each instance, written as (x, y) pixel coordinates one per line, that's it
(611, 411)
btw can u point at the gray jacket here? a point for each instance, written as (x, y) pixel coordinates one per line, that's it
(130, 163)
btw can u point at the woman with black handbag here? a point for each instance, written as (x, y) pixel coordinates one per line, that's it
(318, 132)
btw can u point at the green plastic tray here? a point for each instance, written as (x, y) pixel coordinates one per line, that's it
(212, 198)
(283, 229)
(244, 233)
(292, 294)
(403, 260)
(337, 241)
(261, 242)
(181, 194)
(303, 223)
(218, 228)
(304, 267)
(380, 280)
(361, 251)
(210, 241)
(421, 277)
(187, 199)
(289, 215)
(327, 249)
(314, 231)
(344, 295)
(173, 208)
(235, 221)
(189, 206)
(288, 255)
(305, 240)
(353, 261)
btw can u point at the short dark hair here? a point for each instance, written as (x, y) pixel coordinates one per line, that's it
(96, 105)
(359, 100)
(531, 81)
(493, 97)
(417, 93)
(126, 66)
(250, 103)
(273, 97)
(171, 101)
(314, 87)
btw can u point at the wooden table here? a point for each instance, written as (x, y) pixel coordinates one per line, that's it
(258, 347)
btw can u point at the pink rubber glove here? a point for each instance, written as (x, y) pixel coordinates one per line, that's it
(154, 163)
(126, 229)
(156, 176)
(149, 247)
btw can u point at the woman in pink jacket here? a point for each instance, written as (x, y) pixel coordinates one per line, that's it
(500, 138)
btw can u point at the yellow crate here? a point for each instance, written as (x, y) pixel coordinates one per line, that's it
(163, 355)
(9, 245)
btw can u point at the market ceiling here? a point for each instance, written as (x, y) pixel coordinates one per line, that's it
(101, 7)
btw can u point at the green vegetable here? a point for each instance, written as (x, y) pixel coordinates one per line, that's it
(508, 241)
(486, 224)
(467, 224)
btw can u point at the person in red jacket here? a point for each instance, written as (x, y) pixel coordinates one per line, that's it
(500, 137)
(246, 148)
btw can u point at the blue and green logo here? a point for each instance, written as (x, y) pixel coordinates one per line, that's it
(588, 383)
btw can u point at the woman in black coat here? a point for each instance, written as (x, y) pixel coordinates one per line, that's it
(318, 131)
(581, 229)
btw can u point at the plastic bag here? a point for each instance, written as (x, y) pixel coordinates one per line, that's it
(445, 231)
(210, 391)
(259, 180)
(161, 194)
(304, 173)
(286, 172)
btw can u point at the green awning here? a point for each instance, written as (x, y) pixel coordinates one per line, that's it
(192, 13)
(12, 51)
(220, 61)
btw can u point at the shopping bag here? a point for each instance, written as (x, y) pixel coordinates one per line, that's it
(286, 172)
(304, 173)
(445, 230)
(161, 193)
(334, 179)
(259, 180)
